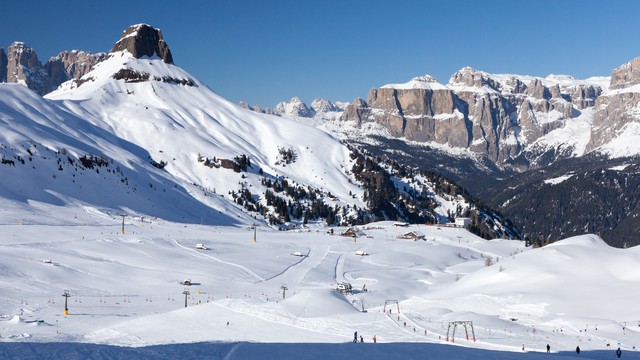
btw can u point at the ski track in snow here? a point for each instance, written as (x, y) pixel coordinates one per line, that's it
(244, 269)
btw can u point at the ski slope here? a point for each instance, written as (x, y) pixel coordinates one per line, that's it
(126, 291)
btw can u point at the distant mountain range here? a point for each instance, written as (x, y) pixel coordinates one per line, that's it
(505, 137)
(130, 132)
(556, 155)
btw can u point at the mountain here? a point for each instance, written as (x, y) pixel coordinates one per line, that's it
(508, 139)
(295, 107)
(320, 108)
(158, 142)
(21, 65)
(501, 117)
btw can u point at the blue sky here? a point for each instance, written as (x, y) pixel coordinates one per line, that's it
(266, 51)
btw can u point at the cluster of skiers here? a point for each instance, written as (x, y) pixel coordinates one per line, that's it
(355, 338)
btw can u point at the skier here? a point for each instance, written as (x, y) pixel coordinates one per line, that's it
(618, 352)
(355, 337)
(374, 339)
(577, 349)
(361, 339)
(548, 348)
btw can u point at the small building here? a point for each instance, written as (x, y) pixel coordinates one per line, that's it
(201, 247)
(412, 235)
(463, 222)
(186, 282)
(344, 288)
(401, 224)
(298, 253)
(361, 253)
(353, 232)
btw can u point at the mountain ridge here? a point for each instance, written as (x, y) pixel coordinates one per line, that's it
(152, 119)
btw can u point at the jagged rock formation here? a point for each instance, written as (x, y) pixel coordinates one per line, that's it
(626, 75)
(495, 116)
(321, 105)
(143, 40)
(256, 108)
(295, 107)
(22, 66)
(617, 110)
(71, 65)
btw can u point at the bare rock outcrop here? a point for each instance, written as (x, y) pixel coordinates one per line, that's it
(617, 108)
(495, 116)
(143, 40)
(626, 75)
(23, 66)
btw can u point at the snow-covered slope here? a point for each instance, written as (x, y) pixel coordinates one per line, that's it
(125, 288)
(176, 122)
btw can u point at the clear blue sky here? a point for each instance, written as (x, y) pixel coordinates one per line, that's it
(265, 51)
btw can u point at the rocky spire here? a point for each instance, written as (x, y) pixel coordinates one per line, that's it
(23, 66)
(143, 40)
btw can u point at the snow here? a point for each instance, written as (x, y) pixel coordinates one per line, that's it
(125, 290)
(558, 180)
(426, 82)
(626, 143)
(126, 297)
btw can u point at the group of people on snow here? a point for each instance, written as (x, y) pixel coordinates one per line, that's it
(355, 338)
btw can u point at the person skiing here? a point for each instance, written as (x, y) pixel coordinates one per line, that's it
(361, 339)
(618, 352)
(374, 339)
(577, 349)
(355, 336)
(548, 348)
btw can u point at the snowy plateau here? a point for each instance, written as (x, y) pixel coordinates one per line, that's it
(121, 238)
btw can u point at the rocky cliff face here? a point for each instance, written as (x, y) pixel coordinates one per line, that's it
(626, 75)
(22, 66)
(143, 40)
(71, 65)
(495, 116)
(617, 112)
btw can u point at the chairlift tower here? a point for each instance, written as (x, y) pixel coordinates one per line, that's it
(123, 216)
(66, 297)
(284, 290)
(255, 227)
(387, 302)
(465, 324)
(358, 301)
(186, 295)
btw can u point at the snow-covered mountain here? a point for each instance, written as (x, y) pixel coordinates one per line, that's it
(320, 109)
(510, 119)
(157, 142)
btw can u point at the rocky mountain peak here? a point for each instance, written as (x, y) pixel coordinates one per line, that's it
(24, 67)
(468, 76)
(323, 105)
(626, 75)
(143, 40)
(294, 107)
